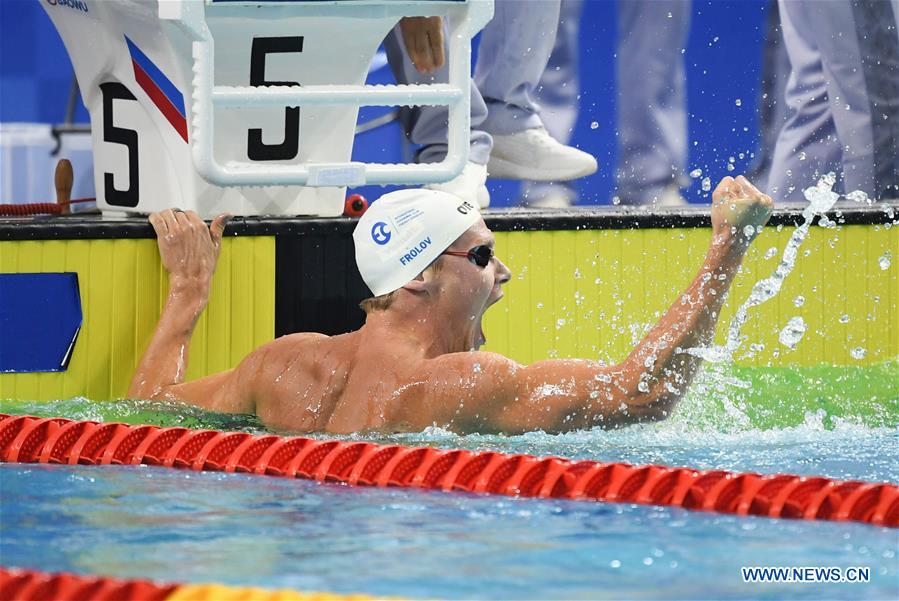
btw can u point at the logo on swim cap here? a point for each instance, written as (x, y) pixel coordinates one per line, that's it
(465, 208)
(380, 234)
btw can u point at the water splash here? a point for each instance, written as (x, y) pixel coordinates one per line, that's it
(793, 332)
(820, 198)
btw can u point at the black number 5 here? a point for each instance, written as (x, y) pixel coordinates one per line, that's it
(256, 150)
(114, 90)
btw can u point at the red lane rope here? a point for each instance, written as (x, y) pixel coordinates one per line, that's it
(28, 439)
(22, 585)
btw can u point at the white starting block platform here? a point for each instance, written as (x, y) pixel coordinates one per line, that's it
(249, 107)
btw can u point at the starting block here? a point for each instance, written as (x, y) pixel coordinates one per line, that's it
(249, 106)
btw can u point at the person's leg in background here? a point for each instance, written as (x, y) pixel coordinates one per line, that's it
(557, 96)
(844, 59)
(426, 126)
(772, 106)
(515, 49)
(877, 31)
(651, 95)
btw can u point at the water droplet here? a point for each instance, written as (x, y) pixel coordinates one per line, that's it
(858, 353)
(730, 167)
(749, 231)
(476, 368)
(594, 125)
(643, 386)
(792, 332)
(647, 561)
(844, 319)
(798, 301)
(738, 102)
(706, 184)
(884, 261)
(770, 253)
(560, 322)
(696, 173)
(802, 155)
(615, 564)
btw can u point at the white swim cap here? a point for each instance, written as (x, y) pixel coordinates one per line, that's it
(405, 231)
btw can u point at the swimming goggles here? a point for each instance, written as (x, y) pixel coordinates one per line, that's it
(479, 255)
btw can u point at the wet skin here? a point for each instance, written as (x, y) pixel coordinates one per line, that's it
(416, 363)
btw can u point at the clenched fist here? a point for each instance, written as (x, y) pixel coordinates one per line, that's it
(739, 210)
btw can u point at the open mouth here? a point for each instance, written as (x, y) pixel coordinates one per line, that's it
(481, 338)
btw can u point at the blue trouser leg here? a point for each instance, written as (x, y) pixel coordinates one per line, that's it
(515, 48)
(651, 89)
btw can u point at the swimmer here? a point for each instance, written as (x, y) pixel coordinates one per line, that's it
(428, 258)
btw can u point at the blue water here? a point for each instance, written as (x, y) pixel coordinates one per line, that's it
(171, 525)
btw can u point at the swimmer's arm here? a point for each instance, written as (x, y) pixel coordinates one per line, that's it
(160, 374)
(189, 251)
(242, 389)
(562, 395)
(658, 371)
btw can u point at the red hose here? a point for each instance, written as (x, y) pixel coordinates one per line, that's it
(55, 440)
(40, 208)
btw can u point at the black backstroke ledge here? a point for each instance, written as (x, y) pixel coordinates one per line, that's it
(71, 227)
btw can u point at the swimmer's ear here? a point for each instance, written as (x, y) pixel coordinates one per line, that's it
(421, 284)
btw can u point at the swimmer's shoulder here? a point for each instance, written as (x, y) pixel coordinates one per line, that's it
(284, 349)
(456, 364)
(460, 391)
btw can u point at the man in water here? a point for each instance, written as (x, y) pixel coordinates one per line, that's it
(428, 258)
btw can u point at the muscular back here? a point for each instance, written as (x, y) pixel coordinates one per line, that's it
(312, 382)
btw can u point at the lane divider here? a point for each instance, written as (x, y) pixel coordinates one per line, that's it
(29, 585)
(29, 439)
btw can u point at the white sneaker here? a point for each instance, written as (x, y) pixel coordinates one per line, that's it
(535, 155)
(469, 185)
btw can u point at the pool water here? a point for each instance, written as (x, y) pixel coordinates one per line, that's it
(248, 530)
